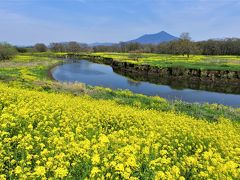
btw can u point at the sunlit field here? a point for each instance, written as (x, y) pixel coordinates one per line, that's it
(194, 61)
(203, 62)
(56, 135)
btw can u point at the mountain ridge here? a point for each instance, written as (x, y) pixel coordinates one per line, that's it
(155, 38)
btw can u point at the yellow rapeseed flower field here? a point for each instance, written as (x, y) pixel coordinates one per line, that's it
(53, 135)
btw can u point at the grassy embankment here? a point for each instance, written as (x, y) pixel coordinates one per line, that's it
(58, 135)
(194, 61)
(49, 129)
(165, 60)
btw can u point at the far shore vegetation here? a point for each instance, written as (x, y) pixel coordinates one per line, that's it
(211, 54)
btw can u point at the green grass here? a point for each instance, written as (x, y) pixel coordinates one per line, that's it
(194, 61)
(26, 67)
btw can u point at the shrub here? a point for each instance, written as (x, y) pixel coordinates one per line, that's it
(22, 49)
(6, 51)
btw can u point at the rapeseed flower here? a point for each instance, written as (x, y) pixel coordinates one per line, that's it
(56, 136)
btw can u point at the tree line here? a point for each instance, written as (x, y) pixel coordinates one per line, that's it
(71, 46)
(7, 51)
(183, 46)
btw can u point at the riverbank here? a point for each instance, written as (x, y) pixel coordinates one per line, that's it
(228, 81)
(224, 81)
(197, 62)
(31, 72)
(95, 74)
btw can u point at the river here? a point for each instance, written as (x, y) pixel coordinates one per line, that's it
(103, 75)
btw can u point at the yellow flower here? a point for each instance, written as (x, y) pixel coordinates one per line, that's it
(119, 167)
(95, 159)
(115, 140)
(3, 177)
(61, 172)
(40, 170)
(30, 126)
(175, 171)
(18, 170)
(203, 174)
(103, 138)
(160, 175)
(94, 171)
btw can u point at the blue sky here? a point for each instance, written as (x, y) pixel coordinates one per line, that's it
(25, 22)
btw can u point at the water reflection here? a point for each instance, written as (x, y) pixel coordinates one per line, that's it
(103, 75)
(133, 82)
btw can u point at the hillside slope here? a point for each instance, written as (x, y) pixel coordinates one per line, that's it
(58, 135)
(155, 38)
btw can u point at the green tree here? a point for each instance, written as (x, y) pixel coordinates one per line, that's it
(21, 49)
(7, 51)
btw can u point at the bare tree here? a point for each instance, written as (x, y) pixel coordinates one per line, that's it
(40, 47)
(185, 36)
(73, 47)
(186, 46)
(57, 47)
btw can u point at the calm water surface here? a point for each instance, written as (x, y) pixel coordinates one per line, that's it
(102, 75)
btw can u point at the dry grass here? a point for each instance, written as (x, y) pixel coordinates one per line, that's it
(12, 64)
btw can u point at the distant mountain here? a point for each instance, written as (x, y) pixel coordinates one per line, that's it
(155, 38)
(101, 44)
(145, 39)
